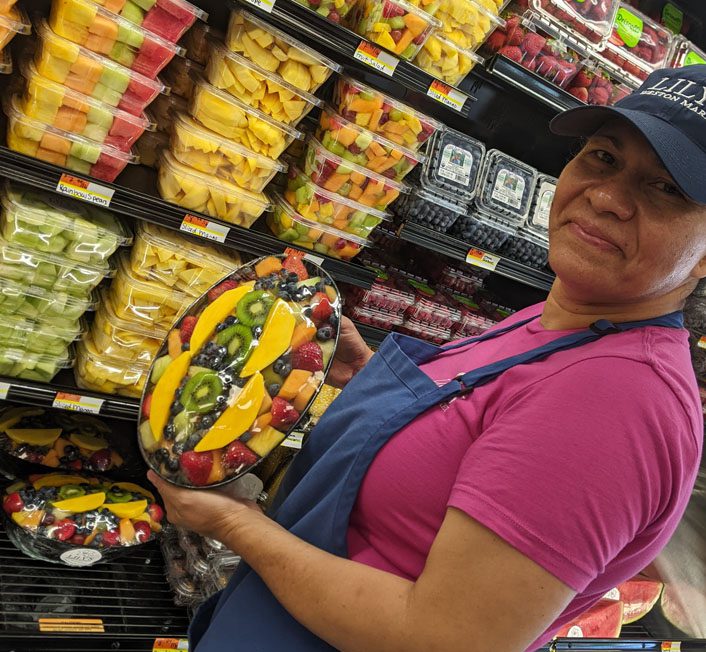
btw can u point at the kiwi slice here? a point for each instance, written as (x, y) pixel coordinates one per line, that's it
(182, 426)
(238, 340)
(71, 491)
(201, 391)
(253, 308)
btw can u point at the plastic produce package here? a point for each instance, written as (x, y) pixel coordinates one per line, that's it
(39, 337)
(538, 220)
(375, 317)
(685, 53)
(13, 21)
(481, 231)
(33, 366)
(431, 307)
(595, 85)
(590, 23)
(179, 75)
(237, 373)
(466, 22)
(526, 248)
(446, 60)
(433, 211)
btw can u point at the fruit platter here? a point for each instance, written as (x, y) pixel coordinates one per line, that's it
(78, 519)
(238, 371)
(58, 439)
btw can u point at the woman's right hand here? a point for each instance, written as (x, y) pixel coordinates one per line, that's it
(352, 354)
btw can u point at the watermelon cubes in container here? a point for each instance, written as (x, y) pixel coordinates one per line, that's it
(89, 25)
(13, 21)
(91, 74)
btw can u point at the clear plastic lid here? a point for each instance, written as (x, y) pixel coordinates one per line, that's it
(180, 73)
(197, 42)
(38, 336)
(13, 21)
(5, 63)
(538, 220)
(685, 53)
(482, 231)
(426, 331)
(34, 366)
(467, 22)
(527, 248)
(446, 60)
(376, 317)
(150, 145)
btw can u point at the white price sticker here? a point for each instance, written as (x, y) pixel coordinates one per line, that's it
(265, 5)
(294, 440)
(482, 259)
(204, 228)
(85, 190)
(447, 95)
(376, 58)
(4, 389)
(77, 403)
(170, 644)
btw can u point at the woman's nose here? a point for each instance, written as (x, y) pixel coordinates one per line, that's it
(613, 196)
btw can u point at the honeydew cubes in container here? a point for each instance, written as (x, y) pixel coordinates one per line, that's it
(291, 227)
(395, 25)
(685, 53)
(589, 24)
(382, 114)
(45, 338)
(445, 60)
(210, 153)
(258, 88)
(319, 205)
(33, 366)
(276, 51)
(88, 24)
(233, 119)
(194, 190)
(13, 21)
(364, 147)
(45, 222)
(91, 74)
(538, 219)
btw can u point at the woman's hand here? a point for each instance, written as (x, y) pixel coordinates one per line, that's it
(352, 354)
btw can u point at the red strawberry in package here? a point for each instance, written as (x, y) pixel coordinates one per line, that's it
(588, 21)
(253, 353)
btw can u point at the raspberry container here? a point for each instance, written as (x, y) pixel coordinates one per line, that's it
(291, 227)
(210, 153)
(365, 148)
(461, 281)
(466, 22)
(91, 74)
(335, 174)
(179, 262)
(430, 209)
(526, 248)
(538, 220)
(180, 75)
(235, 120)
(319, 205)
(506, 187)
(277, 52)
(685, 53)
(482, 231)
(93, 27)
(45, 222)
(424, 331)
(150, 146)
(258, 88)
(166, 18)
(454, 165)
(446, 60)
(33, 366)
(13, 21)
(196, 191)
(387, 294)
(431, 307)
(472, 325)
(33, 138)
(395, 25)
(376, 317)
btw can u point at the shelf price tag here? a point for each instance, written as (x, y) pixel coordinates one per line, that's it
(702, 343)
(294, 440)
(482, 259)
(447, 95)
(376, 58)
(671, 646)
(204, 228)
(85, 190)
(170, 644)
(4, 389)
(317, 260)
(265, 5)
(77, 403)
(83, 625)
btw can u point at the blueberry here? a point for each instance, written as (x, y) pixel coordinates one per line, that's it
(292, 277)
(283, 294)
(169, 431)
(172, 464)
(228, 377)
(211, 347)
(221, 400)
(241, 382)
(273, 389)
(257, 331)
(200, 360)
(185, 346)
(206, 422)
(220, 327)
(324, 333)
(246, 437)
(179, 448)
(191, 442)
(230, 320)
(161, 455)
(175, 408)
(279, 365)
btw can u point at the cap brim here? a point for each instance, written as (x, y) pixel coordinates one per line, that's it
(679, 155)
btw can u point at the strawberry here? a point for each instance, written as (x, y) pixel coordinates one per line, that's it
(582, 80)
(580, 93)
(283, 414)
(600, 96)
(294, 264)
(187, 328)
(111, 538)
(216, 292)
(532, 44)
(238, 456)
(496, 40)
(308, 357)
(511, 52)
(321, 308)
(147, 406)
(13, 503)
(65, 529)
(156, 512)
(77, 539)
(514, 31)
(196, 466)
(142, 531)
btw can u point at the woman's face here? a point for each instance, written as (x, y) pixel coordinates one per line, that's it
(620, 229)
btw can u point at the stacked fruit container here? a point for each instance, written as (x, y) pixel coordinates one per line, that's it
(82, 101)
(13, 21)
(53, 254)
(164, 273)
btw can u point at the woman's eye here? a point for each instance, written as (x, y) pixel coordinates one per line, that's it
(669, 188)
(604, 156)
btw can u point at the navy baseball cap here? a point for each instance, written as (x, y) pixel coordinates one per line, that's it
(669, 109)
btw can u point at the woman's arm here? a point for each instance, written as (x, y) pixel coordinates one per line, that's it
(352, 354)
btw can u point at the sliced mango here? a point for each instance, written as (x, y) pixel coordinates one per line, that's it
(134, 488)
(59, 480)
(81, 503)
(34, 436)
(127, 531)
(89, 442)
(29, 520)
(276, 337)
(14, 416)
(127, 510)
(163, 395)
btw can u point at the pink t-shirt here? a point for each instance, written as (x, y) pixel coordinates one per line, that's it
(584, 462)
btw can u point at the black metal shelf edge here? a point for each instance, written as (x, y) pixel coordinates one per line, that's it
(458, 250)
(372, 335)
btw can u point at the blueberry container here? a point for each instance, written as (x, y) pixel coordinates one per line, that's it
(526, 248)
(538, 219)
(430, 209)
(483, 231)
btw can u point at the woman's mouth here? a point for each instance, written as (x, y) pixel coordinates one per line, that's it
(592, 236)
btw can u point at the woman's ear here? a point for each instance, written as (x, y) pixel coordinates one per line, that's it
(699, 271)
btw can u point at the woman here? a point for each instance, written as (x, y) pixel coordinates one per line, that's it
(479, 496)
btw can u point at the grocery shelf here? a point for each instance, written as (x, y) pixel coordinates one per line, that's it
(458, 250)
(372, 335)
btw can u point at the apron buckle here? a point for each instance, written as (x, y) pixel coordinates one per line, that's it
(604, 327)
(465, 389)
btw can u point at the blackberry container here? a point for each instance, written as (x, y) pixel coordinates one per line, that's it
(483, 231)
(526, 248)
(430, 209)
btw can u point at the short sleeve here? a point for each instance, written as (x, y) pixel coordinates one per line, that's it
(575, 466)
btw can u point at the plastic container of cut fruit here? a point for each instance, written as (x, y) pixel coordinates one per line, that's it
(446, 60)
(235, 120)
(382, 114)
(538, 219)
(276, 51)
(291, 227)
(337, 11)
(597, 85)
(685, 53)
(39, 337)
(197, 42)
(465, 22)
(483, 231)
(18, 363)
(44, 222)
(33, 138)
(150, 147)
(376, 317)
(196, 191)
(166, 18)
(395, 25)
(84, 71)
(93, 27)
(424, 331)
(164, 108)
(131, 341)
(364, 147)
(179, 262)
(13, 21)
(257, 87)
(180, 74)
(319, 205)
(335, 174)
(430, 209)
(208, 152)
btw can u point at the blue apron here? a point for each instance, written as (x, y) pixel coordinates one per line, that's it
(321, 486)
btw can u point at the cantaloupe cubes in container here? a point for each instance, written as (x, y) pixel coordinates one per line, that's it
(195, 191)
(277, 52)
(445, 60)
(207, 152)
(87, 24)
(91, 74)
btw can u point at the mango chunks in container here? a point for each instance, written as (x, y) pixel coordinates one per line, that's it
(466, 22)
(276, 51)
(179, 262)
(197, 192)
(445, 60)
(91, 74)
(12, 21)
(210, 153)
(258, 88)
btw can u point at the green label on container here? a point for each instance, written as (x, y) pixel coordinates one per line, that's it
(672, 18)
(693, 59)
(629, 27)
(422, 287)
